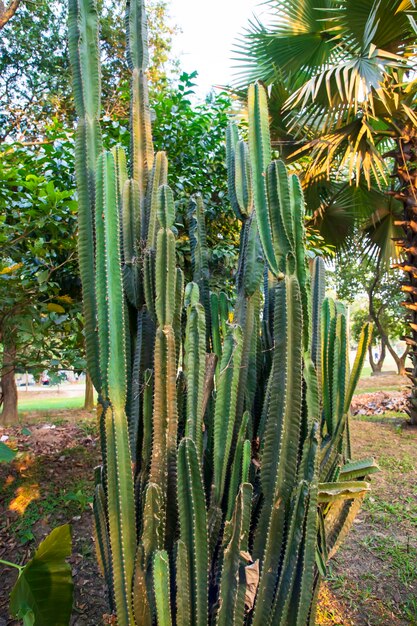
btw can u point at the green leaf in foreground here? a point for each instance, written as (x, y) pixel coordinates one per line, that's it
(44, 587)
(6, 454)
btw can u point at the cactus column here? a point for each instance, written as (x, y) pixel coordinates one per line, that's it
(224, 489)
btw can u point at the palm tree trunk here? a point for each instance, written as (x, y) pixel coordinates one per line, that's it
(9, 414)
(406, 172)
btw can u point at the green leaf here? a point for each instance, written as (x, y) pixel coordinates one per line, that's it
(6, 454)
(44, 586)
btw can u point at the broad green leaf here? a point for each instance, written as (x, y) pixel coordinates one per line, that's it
(6, 454)
(45, 586)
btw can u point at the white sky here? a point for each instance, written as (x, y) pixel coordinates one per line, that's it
(209, 30)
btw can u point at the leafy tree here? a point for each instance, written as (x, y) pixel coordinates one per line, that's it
(193, 134)
(346, 94)
(39, 281)
(34, 66)
(356, 276)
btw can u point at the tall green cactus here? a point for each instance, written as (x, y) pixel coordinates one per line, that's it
(227, 480)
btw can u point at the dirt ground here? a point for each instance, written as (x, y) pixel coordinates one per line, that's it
(372, 581)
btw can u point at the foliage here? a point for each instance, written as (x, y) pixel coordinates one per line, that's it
(6, 453)
(224, 488)
(39, 285)
(34, 65)
(355, 276)
(43, 591)
(342, 132)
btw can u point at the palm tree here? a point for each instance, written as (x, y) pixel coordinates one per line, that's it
(347, 69)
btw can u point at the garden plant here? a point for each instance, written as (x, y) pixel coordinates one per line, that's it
(227, 481)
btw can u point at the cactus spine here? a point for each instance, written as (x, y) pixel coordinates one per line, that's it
(227, 479)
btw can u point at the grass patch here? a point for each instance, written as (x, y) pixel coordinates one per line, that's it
(390, 513)
(389, 417)
(361, 390)
(401, 558)
(395, 464)
(50, 404)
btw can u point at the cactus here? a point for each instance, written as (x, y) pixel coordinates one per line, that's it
(227, 479)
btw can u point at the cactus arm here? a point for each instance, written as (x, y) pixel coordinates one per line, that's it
(358, 469)
(193, 527)
(141, 607)
(235, 477)
(149, 281)
(165, 272)
(292, 548)
(121, 513)
(153, 523)
(340, 369)
(246, 460)
(102, 542)
(260, 156)
(116, 368)
(130, 220)
(338, 521)
(142, 146)
(215, 326)
(159, 177)
(165, 275)
(328, 313)
(119, 156)
(303, 273)
(145, 458)
(85, 65)
(306, 585)
(223, 312)
(137, 35)
(232, 137)
(134, 390)
(225, 409)
(178, 311)
(84, 56)
(243, 179)
(276, 178)
(165, 417)
(254, 263)
(312, 389)
(279, 457)
(183, 585)
(194, 362)
(101, 276)
(318, 293)
(161, 587)
(364, 341)
(229, 586)
(199, 255)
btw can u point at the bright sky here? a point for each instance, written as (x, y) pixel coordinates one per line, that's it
(209, 30)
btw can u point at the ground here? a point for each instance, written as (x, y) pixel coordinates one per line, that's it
(372, 581)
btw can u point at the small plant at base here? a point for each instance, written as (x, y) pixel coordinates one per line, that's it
(225, 488)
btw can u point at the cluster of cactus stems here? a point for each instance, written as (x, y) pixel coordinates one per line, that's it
(227, 481)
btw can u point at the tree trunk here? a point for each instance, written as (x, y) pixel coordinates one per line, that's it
(402, 370)
(376, 366)
(9, 414)
(89, 393)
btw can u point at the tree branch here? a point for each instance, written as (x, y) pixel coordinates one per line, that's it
(7, 13)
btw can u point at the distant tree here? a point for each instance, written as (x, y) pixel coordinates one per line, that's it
(357, 275)
(39, 284)
(34, 67)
